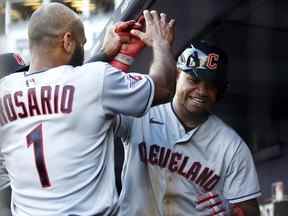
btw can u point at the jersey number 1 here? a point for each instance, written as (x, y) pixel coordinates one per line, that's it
(35, 138)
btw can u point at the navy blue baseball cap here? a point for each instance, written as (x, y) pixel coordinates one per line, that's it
(11, 63)
(205, 62)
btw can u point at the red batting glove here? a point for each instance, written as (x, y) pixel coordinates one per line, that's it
(212, 204)
(128, 51)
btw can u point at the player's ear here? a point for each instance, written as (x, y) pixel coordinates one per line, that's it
(68, 42)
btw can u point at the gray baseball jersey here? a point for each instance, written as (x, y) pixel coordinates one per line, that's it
(57, 136)
(166, 169)
(4, 179)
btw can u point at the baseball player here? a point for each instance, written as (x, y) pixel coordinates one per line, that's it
(9, 63)
(56, 118)
(181, 159)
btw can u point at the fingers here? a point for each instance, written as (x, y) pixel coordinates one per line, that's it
(137, 33)
(147, 17)
(207, 201)
(171, 23)
(124, 38)
(163, 18)
(124, 26)
(155, 15)
(159, 28)
(207, 197)
(137, 25)
(122, 29)
(213, 203)
(141, 20)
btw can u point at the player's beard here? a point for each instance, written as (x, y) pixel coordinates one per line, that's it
(77, 58)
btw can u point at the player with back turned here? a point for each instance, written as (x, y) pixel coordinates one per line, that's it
(56, 118)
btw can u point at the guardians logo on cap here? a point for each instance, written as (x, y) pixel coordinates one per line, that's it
(204, 61)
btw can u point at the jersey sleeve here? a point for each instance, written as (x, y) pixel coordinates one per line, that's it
(128, 94)
(123, 127)
(4, 179)
(241, 181)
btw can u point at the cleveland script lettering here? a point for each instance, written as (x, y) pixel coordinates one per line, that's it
(163, 157)
(44, 100)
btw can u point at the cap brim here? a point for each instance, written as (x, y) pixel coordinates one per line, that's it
(23, 68)
(203, 74)
(9, 64)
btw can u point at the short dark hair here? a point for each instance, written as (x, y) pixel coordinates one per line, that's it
(50, 21)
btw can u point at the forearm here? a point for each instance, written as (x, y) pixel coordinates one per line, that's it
(163, 73)
(249, 208)
(247, 212)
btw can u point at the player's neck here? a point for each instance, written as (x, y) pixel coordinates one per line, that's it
(40, 62)
(188, 119)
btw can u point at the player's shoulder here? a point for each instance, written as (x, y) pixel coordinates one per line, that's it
(223, 136)
(160, 113)
(162, 110)
(91, 67)
(11, 80)
(10, 76)
(87, 67)
(88, 72)
(218, 129)
(216, 122)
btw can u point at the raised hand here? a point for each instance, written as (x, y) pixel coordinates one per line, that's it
(129, 50)
(113, 40)
(159, 29)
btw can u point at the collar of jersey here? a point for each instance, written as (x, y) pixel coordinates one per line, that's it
(182, 136)
(26, 73)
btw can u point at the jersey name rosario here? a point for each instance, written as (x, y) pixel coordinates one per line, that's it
(44, 100)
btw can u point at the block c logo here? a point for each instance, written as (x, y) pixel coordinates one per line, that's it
(212, 61)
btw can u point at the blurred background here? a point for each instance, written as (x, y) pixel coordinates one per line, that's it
(14, 16)
(253, 33)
